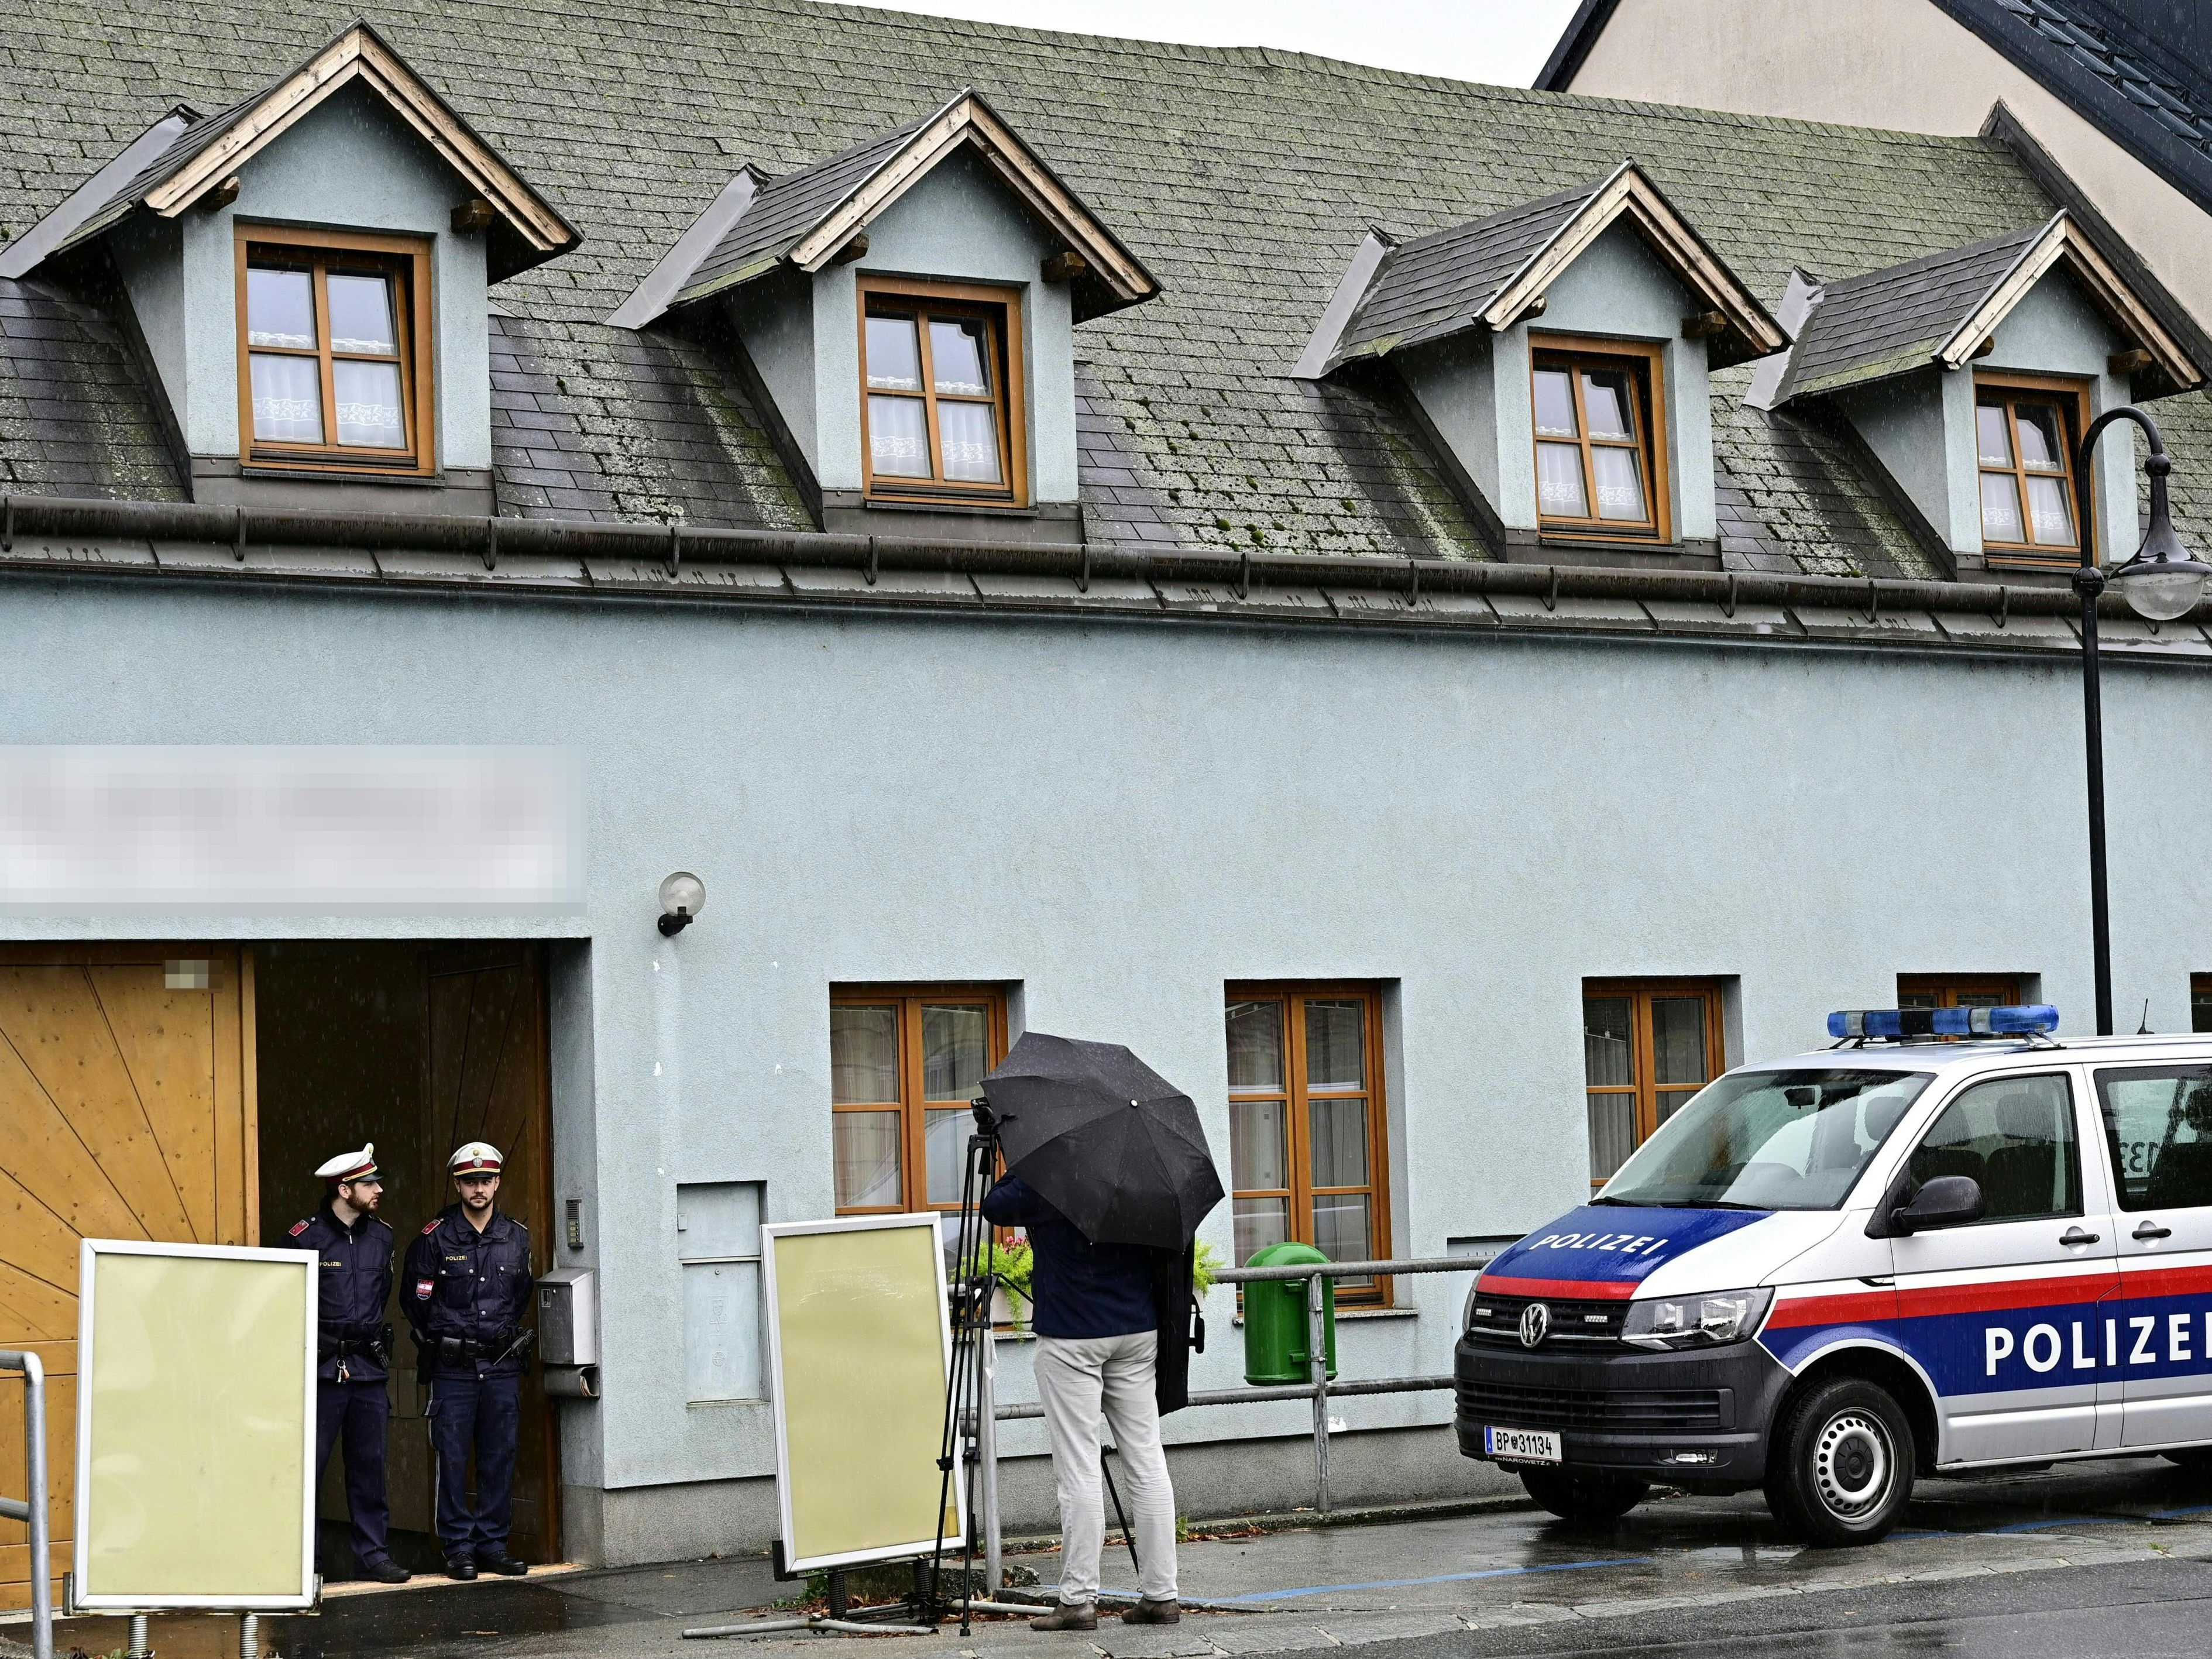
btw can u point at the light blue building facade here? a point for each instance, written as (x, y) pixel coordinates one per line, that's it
(1235, 677)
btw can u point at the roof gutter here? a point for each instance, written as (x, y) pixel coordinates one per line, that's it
(240, 531)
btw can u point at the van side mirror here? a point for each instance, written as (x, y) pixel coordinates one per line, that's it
(1945, 1201)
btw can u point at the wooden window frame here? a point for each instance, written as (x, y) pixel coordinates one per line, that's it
(408, 258)
(1002, 308)
(1947, 989)
(2073, 397)
(913, 1113)
(1297, 1132)
(1647, 363)
(1643, 1059)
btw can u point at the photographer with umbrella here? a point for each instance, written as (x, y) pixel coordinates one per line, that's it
(1107, 1169)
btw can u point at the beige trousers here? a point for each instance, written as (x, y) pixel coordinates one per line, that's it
(1079, 1381)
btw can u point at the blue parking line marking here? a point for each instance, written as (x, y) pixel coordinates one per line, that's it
(1439, 1578)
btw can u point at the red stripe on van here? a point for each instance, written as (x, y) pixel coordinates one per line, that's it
(1594, 1289)
(1848, 1308)
(1930, 1300)
(2136, 1282)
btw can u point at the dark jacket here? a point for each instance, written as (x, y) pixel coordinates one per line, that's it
(470, 1286)
(1085, 1290)
(355, 1281)
(1079, 1289)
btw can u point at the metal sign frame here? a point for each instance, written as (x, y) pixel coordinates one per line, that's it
(307, 1264)
(771, 1234)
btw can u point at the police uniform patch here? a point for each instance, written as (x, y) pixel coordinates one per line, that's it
(424, 1286)
(299, 1227)
(430, 1226)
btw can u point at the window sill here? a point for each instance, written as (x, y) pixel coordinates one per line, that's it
(1528, 547)
(947, 504)
(407, 478)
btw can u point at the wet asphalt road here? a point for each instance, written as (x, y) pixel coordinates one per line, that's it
(2105, 1559)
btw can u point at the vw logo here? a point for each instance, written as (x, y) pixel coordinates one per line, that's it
(1536, 1323)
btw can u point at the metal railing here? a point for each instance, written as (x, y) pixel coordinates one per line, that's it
(31, 1508)
(1318, 1387)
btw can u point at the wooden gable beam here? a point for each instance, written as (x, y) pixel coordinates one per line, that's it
(358, 55)
(2063, 240)
(966, 120)
(1629, 194)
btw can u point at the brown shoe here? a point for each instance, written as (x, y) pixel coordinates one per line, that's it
(1068, 1615)
(1148, 1611)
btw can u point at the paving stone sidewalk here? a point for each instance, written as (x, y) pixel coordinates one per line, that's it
(1299, 1588)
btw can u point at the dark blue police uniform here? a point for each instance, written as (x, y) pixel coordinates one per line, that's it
(352, 1401)
(464, 1293)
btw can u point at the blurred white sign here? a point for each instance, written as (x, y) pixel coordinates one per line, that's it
(239, 829)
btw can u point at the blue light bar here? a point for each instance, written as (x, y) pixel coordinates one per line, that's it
(1897, 1024)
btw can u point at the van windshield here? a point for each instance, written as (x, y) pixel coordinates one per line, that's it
(1768, 1140)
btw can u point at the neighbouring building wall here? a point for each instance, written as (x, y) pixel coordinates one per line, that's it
(1478, 823)
(1896, 64)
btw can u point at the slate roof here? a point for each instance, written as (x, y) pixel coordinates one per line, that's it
(784, 210)
(1889, 322)
(1437, 284)
(1244, 178)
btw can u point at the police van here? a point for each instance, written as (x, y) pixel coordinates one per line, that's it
(1900, 1256)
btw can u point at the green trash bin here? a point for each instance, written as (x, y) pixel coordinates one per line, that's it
(1276, 1352)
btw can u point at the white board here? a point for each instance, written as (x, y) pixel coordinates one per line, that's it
(859, 1348)
(195, 1427)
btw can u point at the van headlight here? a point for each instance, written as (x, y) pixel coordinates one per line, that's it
(1696, 1321)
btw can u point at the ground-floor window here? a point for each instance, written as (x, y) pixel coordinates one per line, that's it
(904, 1063)
(2200, 1002)
(1957, 991)
(1648, 1045)
(1308, 1151)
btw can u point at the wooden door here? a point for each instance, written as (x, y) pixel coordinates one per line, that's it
(487, 1082)
(126, 1111)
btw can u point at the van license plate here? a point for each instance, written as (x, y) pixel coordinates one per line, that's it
(1522, 1445)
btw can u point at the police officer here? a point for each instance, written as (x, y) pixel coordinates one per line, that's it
(351, 1402)
(466, 1286)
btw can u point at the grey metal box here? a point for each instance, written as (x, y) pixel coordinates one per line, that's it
(568, 1317)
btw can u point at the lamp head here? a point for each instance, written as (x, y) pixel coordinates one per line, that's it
(683, 897)
(2164, 581)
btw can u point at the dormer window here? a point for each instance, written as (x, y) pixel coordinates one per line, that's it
(2024, 435)
(961, 265)
(1969, 376)
(941, 366)
(1586, 439)
(1595, 413)
(336, 369)
(297, 364)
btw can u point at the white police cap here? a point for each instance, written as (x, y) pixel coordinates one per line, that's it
(352, 1166)
(478, 1157)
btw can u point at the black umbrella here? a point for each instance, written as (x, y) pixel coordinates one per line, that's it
(1104, 1139)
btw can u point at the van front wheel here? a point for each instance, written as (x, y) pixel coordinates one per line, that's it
(1589, 1499)
(1841, 1468)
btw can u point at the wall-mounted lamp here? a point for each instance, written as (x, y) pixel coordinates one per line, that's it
(683, 897)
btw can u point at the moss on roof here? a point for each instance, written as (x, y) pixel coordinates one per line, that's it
(1244, 179)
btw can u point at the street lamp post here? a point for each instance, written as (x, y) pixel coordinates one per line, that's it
(2161, 583)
